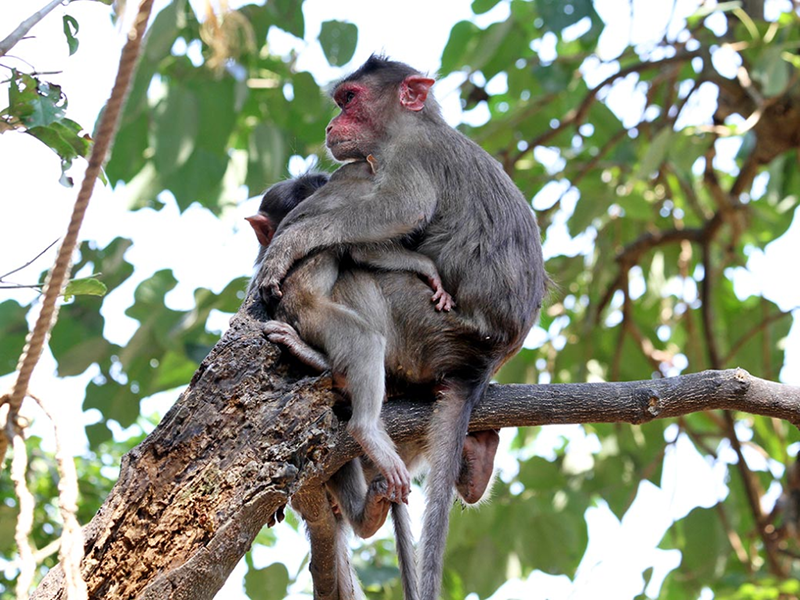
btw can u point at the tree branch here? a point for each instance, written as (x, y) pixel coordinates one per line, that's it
(578, 115)
(11, 40)
(253, 431)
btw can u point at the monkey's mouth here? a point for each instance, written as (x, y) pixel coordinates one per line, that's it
(342, 149)
(339, 143)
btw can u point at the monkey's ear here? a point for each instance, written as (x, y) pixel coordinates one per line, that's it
(263, 227)
(414, 91)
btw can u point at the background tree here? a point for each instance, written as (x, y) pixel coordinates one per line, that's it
(675, 155)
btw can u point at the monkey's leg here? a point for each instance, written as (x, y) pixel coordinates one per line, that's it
(364, 506)
(284, 334)
(477, 465)
(357, 351)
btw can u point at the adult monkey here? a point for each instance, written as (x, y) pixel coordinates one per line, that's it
(443, 191)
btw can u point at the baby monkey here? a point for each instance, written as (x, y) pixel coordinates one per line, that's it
(327, 334)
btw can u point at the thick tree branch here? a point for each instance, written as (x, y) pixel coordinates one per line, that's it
(253, 431)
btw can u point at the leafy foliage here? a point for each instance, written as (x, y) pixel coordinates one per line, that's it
(647, 217)
(39, 108)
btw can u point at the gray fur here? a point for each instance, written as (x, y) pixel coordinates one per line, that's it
(446, 198)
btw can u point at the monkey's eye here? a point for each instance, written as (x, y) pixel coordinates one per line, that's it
(348, 97)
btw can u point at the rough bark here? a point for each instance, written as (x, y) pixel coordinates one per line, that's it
(253, 430)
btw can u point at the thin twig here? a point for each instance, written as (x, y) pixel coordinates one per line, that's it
(577, 116)
(766, 322)
(31, 261)
(11, 40)
(753, 498)
(733, 538)
(22, 286)
(706, 309)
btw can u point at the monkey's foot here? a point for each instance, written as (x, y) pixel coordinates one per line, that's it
(376, 509)
(397, 480)
(379, 449)
(443, 300)
(477, 465)
(284, 334)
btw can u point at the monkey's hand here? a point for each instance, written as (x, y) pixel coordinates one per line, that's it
(275, 266)
(443, 300)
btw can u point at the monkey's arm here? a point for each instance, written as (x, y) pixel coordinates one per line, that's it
(399, 204)
(394, 257)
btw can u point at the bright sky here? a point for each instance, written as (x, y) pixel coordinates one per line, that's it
(35, 210)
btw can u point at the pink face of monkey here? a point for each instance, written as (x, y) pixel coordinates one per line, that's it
(361, 123)
(353, 133)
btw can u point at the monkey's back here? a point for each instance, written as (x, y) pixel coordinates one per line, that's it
(484, 239)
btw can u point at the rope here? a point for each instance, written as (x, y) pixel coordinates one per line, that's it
(56, 278)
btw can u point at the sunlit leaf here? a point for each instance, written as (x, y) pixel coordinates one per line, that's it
(338, 40)
(86, 286)
(13, 330)
(71, 31)
(269, 583)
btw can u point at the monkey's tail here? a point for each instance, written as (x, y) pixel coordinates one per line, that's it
(405, 550)
(446, 434)
(348, 585)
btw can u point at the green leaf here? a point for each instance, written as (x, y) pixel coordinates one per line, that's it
(77, 340)
(198, 180)
(483, 6)
(63, 137)
(175, 130)
(269, 583)
(288, 15)
(114, 400)
(268, 155)
(34, 102)
(655, 154)
(97, 433)
(130, 146)
(50, 105)
(463, 39)
(13, 329)
(704, 545)
(109, 260)
(558, 14)
(85, 286)
(338, 40)
(70, 31)
(771, 71)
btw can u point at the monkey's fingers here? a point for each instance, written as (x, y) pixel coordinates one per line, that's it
(444, 301)
(398, 483)
(270, 289)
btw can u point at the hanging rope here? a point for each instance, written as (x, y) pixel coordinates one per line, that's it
(57, 277)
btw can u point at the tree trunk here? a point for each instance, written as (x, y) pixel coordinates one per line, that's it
(251, 431)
